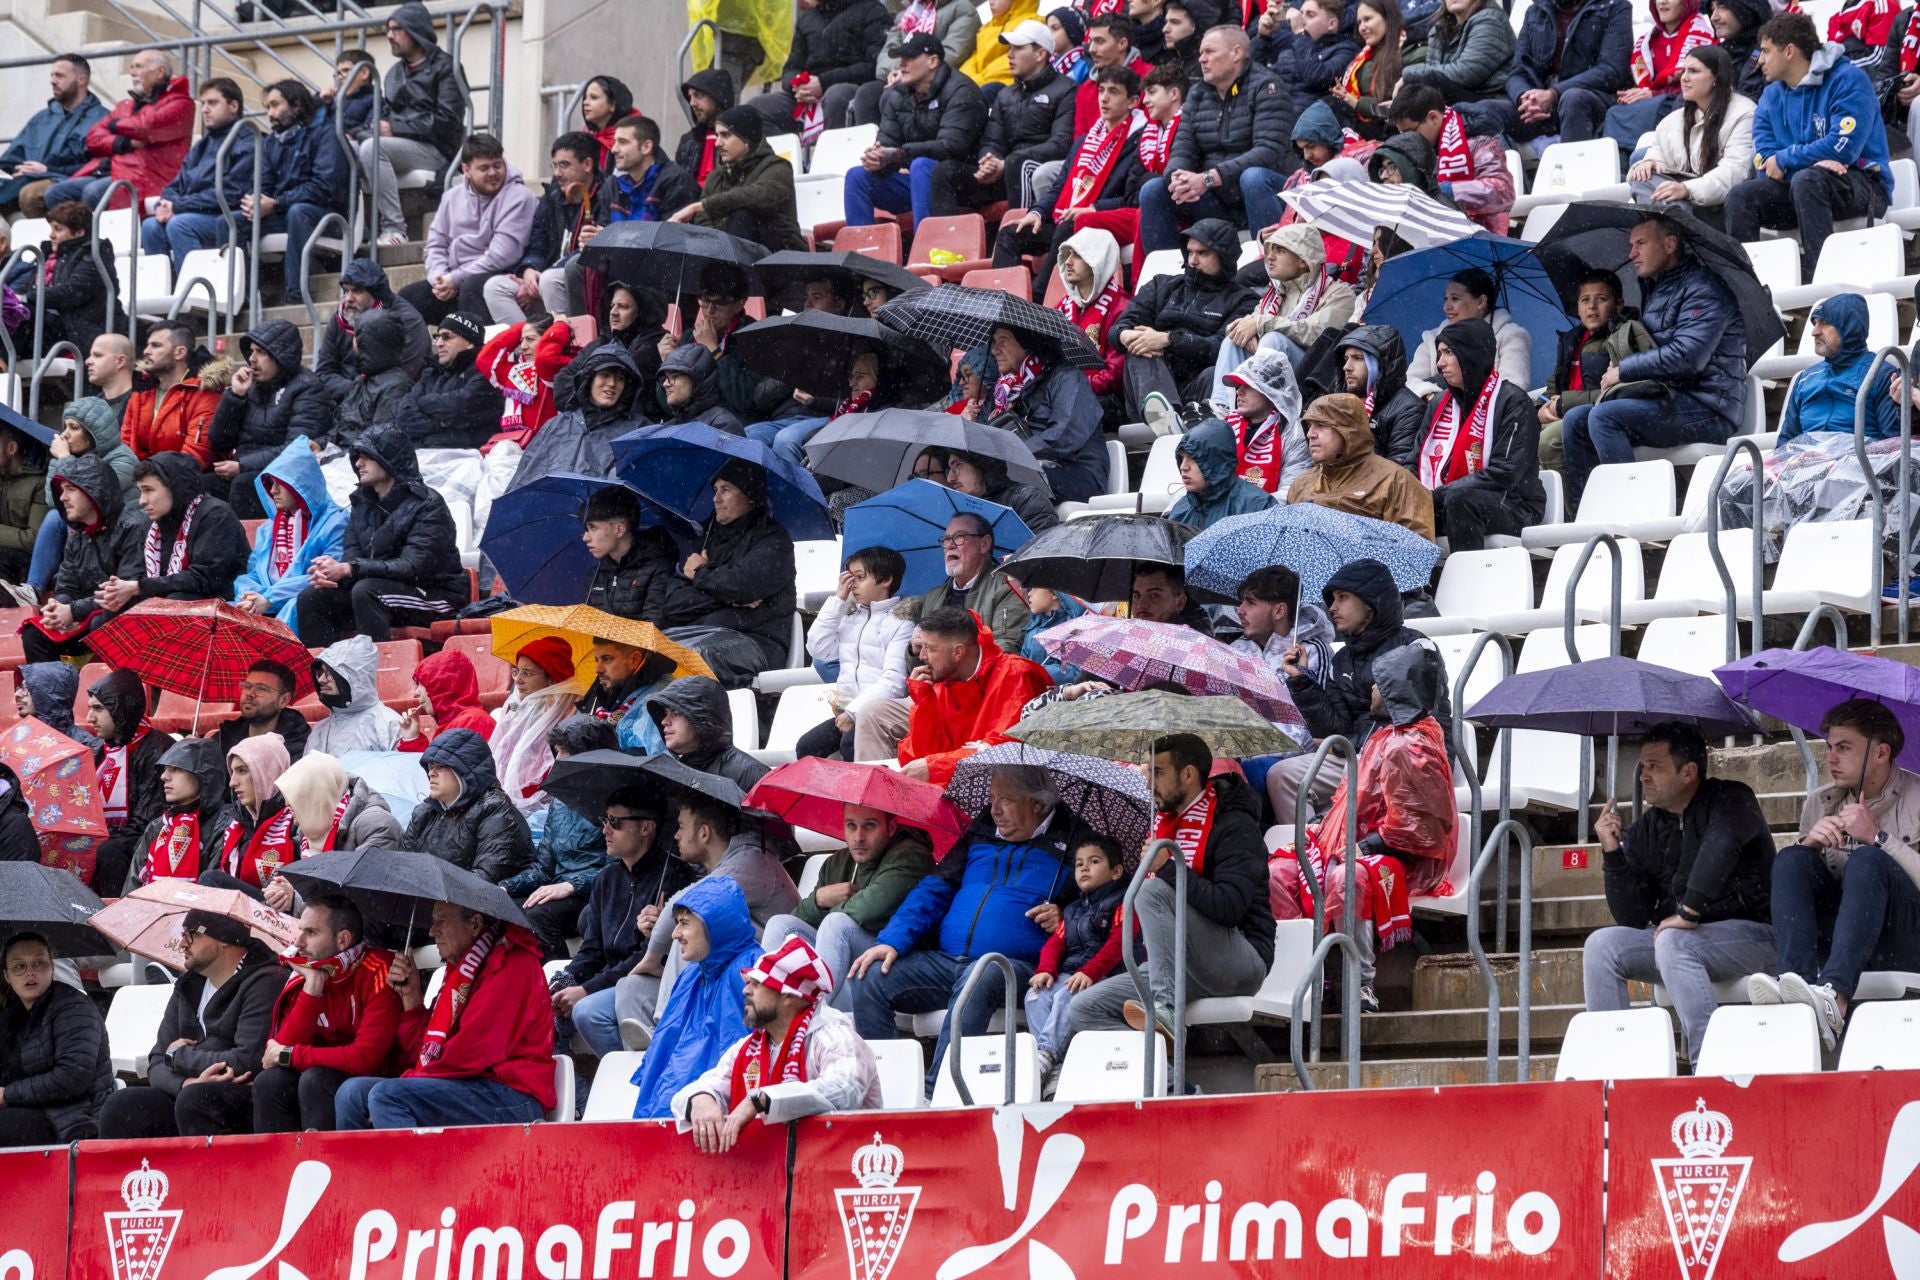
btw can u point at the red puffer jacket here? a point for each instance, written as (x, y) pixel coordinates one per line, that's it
(953, 713)
(350, 1026)
(162, 127)
(505, 1031)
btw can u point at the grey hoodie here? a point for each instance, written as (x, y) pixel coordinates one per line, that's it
(362, 722)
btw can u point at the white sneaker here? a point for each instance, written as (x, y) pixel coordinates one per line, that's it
(1795, 989)
(392, 237)
(1158, 412)
(1763, 988)
(635, 1034)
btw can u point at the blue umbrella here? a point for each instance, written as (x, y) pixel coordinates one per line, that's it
(533, 536)
(911, 517)
(1411, 286)
(675, 466)
(27, 427)
(1312, 541)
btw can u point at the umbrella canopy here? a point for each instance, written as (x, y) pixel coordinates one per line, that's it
(669, 256)
(955, 316)
(1133, 654)
(1094, 558)
(149, 921)
(877, 450)
(1606, 696)
(814, 794)
(1595, 235)
(28, 428)
(399, 888)
(57, 780)
(580, 626)
(1313, 541)
(912, 519)
(1110, 798)
(584, 782)
(199, 648)
(52, 903)
(1411, 286)
(1799, 687)
(1351, 210)
(533, 535)
(814, 351)
(784, 275)
(1127, 725)
(675, 466)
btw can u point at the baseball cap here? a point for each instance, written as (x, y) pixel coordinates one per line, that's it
(919, 45)
(1030, 32)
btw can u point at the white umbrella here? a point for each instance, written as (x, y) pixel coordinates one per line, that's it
(1351, 210)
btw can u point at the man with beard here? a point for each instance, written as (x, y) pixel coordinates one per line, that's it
(266, 706)
(168, 409)
(625, 676)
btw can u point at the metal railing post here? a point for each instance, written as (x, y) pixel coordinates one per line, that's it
(1349, 1031)
(213, 307)
(1496, 848)
(232, 223)
(1503, 744)
(1879, 501)
(680, 58)
(1350, 993)
(1176, 1069)
(134, 208)
(306, 273)
(1736, 445)
(40, 370)
(351, 151)
(1573, 655)
(956, 1038)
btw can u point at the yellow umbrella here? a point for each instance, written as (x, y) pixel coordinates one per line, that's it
(579, 626)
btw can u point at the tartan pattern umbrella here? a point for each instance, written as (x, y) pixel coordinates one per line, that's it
(1094, 558)
(1110, 798)
(56, 779)
(814, 794)
(198, 648)
(579, 626)
(1127, 725)
(877, 450)
(1351, 210)
(148, 921)
(1133, 654)
(956, 316)
(1313, 541)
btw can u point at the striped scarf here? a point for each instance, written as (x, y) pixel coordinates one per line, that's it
(1156, 143)
(1008, 386)
(917, 18)
(1453, 449)
(754, 1063)
(289, 531)
(445, 1018)
(177, 553)
(333, 828)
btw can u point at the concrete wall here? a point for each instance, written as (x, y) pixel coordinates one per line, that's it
(636, 40)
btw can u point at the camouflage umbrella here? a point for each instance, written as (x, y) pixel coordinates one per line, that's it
(1126, 726)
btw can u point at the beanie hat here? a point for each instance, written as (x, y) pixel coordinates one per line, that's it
(746, 122)
(552, 655)
(467, 325)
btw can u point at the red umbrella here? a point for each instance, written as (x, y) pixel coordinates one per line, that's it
(148, 921)
(62, 794)
(814, 793)
(199, 647)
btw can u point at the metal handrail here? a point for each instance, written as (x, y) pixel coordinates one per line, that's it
(1879, 501)
(956, 1038)
(1573, 655)
(232, 224)
(40, 369)
(134, 207)
(39, 299)
(213, 307)
(1349, 1026)
(1177, 1069)
(1496, 848)
(379, 91)
(1503, 744)
(1350, 972)
(306, 272)
(1832, 616)
(349, 149)
(572, 94)
(1740, 444)
(680, 59)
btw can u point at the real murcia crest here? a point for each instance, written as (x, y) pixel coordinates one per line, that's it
(1701, 1189)
(876, 1214)
(138, 1239)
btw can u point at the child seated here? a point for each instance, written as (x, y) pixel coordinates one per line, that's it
(1607, 331)
(857, 628)
(1082, 950)
(306, 524)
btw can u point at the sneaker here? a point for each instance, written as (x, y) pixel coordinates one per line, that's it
(1795, 989)
(392, 237)
(21, 594)
(1763, 988)
(1369, 1002)
(1136, 1016)
(635, 1034)
(1159, 413)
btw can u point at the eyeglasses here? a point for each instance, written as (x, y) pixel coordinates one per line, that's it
(21, 968)
(263, 690)
(612, 823)
(955, 539)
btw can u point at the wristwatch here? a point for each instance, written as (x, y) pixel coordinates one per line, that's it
(761, 1103)
(286, 1056)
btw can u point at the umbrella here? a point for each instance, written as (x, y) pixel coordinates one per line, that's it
(814, 794)
(1126, 726)
(1110, 798)
(56, 779)
(877, 450)
(28, 428)
(1133, 654)
(784, 275)
(583, 782)
(533, 535)
(580, 625)
(675, 466)
(149, 920)
(1312, 541)
(1603, 697)
(397, 887)
(912, 518)
(1799, 687)
(1351, 210)
(1410, 288)
(956, 316)
(1094, 558)
(668, 256)
(195, 646)
(52, 903)
(1590, 235)
(814, 351)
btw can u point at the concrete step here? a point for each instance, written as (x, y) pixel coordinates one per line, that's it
(401, 255)
(327, 286)
(1453, 981)
(1447, 1030)
(1399, 1073)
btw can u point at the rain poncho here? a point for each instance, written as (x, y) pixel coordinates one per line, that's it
(1211, 446)
(520, 751)
(52, 688)
(1360, 481)
(453, 691)
(322, 531)
(360, 721)
(704, 1011)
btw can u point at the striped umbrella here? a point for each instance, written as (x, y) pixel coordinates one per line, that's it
(1134, 654)
(1351, 210)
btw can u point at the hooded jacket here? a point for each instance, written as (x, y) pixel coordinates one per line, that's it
(701, 700)
(56, 136)
(231, 1028)
(581, 439)
(1468, 62)
(1211, 446)
(1399, 417)
(192, 189)
(52, 689)
(1344, 704)
(474, 235)
(1361, 481)
(163, 126)
(1412, 156)
(1270, 374)
(1192, 307)
(314, 785)
(946, 124)
(255, 427)
(78, 292)
(759, 184)
(746, 585)
(1743, 46)
(1832, 114)
(1102, 253)
(305, 165)
(1595, 53)
(265, 759)
(325, 531)
(573, 848)
(408, 535)
(451, 406)
(361, 722)
(425, 102)
(696, 362)
(1700, 340)
(1034, 506)
(125, 700)
(109, 548)
(102, 423)
(717, 84)
(836, 42)
(948, 715)
(338, 362)
(207, 761)
(504, 1031)
(1823, 396)
(216, 543)
(453, 688)
(180, 421)
(480, 831)
(1246, 127)
(379, 392)
(1510, 457)
(702, 1013)
(57, 1059)
(1513, 342)
(1331, 310)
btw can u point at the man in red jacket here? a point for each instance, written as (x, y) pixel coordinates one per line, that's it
(143, 139)
(482, 1052)
(965, 692)
(335, 1019)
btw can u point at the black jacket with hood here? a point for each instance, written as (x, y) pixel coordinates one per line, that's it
(408, 535)
(1413, 157)
(233, 1028)
(705, 406)
(337, 363)
(1399, 418)
(1743, 46)
(837, 41)
(206, 759)
(1246, 128)
(110, 548)
(747, 584)
(56, 1058)
(125, 699)
(702, 701)
(1511, 456)
(384, 382)
(425, 102)
(581, 439)
(1191, 307)
(52, 689)
(1344, 704)
(718, 85)
(450, 406)
(216, 541)
(480, 831)
(1231, 887)
(78, 293)
(641, 340)
(254, 428)
(760, 185)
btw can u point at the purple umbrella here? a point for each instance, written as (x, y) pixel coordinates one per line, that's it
(1799, 687)
(1606, 696)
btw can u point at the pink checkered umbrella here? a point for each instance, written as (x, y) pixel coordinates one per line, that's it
(1137, 655)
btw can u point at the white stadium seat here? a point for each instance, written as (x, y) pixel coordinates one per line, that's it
(1882, 1036)
(1630, 1044)
(133, 1021)
(613, 1094)
(1759, 1040)
(983, 1061)
(903, 1074)
(1106, 1066)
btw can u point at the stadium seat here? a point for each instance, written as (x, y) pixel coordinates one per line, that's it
(1689, 584)
(1572, 171)
(613, 1094)
(1630, 1044)
(564, 1084)
(903, 1074)
(881, 240)
(1474, 584)
(810, 874)
(1594, 597)
(1116, 468)
(211, 265)
(495, 675)
(1823, 562)
(1160, 485)
(838, 150)
(1161, 262)
(1776, 263)
(153, 273)
(745, 711)
(816, 571)
(983, 1061)
(1759, 1040)
(1617, 497)
(1015, 280)
(1554, 512)
(1904, 209)
(1693, 645)
(1056, 288)
(1870, 260)
(1540, 220)
(133, 1020)
(1106, 1066)
(1882, 1036)
(800, 708)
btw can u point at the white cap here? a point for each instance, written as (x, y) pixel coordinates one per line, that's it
(1032, 32)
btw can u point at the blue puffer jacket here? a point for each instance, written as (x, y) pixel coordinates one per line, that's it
(1596, 53)
(191, 190)
(1700, 341)
(56, 136)
(304, 165)
(978, 898)
(1823, 396)
(1833, 114)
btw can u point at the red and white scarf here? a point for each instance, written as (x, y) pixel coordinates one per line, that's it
(1067, 63)
(1098, 8)
(1093, 163)
(755, 1065)
(289, 531)
(176, 850)
(1277, 293)
(1156, 143)
(1101, 309)
(808, 115)
(445, 1018)
(1008, 386)
(1455, 153)
(856, 403)
(1350, 82)
(177, 553)
(1189, 828)
(917, 18)
(112, 776)
(332, 967)
(256, 858)
(1453, 450)
(1657, 54)
(333, 828)
(1910, 45)
(1259, 450)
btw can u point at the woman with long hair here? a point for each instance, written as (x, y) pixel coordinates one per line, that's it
(1366, 86)
(1466, 58)
(1701, 150)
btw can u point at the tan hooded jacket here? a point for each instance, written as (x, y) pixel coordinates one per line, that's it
(1362, 482)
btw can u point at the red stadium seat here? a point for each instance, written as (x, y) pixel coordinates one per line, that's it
(494, 673)
(963, 233)
(881, 240)
(1014, 280)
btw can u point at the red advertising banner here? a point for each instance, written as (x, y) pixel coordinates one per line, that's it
(1498, 1182)
(33, 1228)
(1783, 1176)
(573, 1201)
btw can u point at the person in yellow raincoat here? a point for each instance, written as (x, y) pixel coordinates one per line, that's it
(988, 65)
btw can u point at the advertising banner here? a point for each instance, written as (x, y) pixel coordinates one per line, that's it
(33, 1227)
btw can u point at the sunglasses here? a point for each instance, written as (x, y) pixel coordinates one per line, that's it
(612, 823)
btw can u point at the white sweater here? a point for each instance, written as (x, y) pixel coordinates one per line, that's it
(871, 646)
(1674, 154)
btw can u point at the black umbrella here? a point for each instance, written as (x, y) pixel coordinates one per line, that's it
(814, 351)
(399, 888)
(1595, 235)
(956, 316)
(877, 450)
(669, 256)
(1094, 558)
(784, 275)
(52, 903)
(583, 782)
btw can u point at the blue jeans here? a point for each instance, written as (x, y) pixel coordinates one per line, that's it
(182, 234)
(1047, 1017)
(921, 982)
(894, 192)
(1869, 915)
(593, 1021)
(787, 437)
(86, 190)
(1161, 219)
(373, 1102)
(1607, 432)
(300, 221)
(47, 546)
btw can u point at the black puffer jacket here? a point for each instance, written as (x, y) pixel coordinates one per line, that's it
(836, 41)
(641, 340)
(718, 85)
(125, 699)
(702, 700)
(1194, 309)
(1743, 46)
(698, 363)
(408, 535)
(425, 103)
(233, 1028)
(77, 295)
(206, 760)
(254, 428)
(1344, 705)
(581, 439)
(481, 831)
(747, 584)
(108, 549)
(1247, 127)
(380, 390)
(216, 543)
(635, 585)
(337, 363)
(944, 125)
(1399, 416)
(54, 1057)
(450, 406)
(1510, 463)
(1031, 120)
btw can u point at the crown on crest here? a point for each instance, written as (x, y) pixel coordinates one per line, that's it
(878, 1164)
(1701, 1134)
(145, 1189)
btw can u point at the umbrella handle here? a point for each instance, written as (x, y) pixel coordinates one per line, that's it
(200, 699)
(410, 912)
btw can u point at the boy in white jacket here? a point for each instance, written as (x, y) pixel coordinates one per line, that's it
(857, 628)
